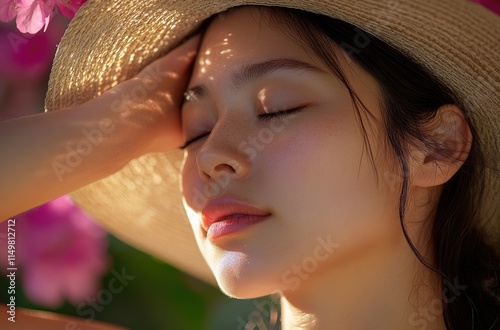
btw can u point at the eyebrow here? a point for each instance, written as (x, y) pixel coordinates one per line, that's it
(252, 72)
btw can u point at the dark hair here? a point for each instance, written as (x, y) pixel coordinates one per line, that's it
(411, 97)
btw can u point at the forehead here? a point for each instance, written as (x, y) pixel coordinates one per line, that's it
(243, 35)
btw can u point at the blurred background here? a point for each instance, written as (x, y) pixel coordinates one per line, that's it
(66, 263)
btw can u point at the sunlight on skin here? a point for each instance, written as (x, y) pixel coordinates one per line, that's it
(220, 48)
(314, 177)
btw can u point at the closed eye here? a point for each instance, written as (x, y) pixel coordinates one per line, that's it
(185, 145)
(263, 117)
(280, 114)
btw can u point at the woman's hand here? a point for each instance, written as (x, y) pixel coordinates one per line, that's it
(154, 97)
(48, 155)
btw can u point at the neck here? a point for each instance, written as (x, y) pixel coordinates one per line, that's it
(386, 289)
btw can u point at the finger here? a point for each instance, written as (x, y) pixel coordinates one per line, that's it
(177, 60)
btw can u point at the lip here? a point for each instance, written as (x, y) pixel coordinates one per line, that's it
(225, 215)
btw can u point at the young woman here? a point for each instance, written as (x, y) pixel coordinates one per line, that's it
(319, 162)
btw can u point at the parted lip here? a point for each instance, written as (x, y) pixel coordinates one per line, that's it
(226, 206)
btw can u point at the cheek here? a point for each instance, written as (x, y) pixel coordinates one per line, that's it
(318, 160)
(192, 198)
(186, 175)
(321, 180)
(194, 194)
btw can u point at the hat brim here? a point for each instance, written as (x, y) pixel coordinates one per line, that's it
(111, 41)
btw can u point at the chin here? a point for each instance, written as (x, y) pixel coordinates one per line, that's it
(240, 278)
(242, 289)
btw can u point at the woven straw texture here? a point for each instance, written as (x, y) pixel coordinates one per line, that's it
(111, 41)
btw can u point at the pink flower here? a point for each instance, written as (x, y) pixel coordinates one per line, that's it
(60, 253)
(33, 15)
(8, 10)
(493, 5)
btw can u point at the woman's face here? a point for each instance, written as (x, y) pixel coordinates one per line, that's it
(310, 171)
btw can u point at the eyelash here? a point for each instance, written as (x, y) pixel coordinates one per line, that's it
(263, 117)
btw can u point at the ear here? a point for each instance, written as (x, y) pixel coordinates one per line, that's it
(448, 145)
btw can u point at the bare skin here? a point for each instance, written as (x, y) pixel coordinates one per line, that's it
(36, 151)
(332, 246)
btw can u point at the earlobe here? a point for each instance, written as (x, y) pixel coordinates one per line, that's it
(445, 149)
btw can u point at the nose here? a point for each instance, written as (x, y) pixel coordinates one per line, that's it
(220, 158)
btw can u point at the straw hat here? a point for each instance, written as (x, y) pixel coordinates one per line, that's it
(111, 41)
